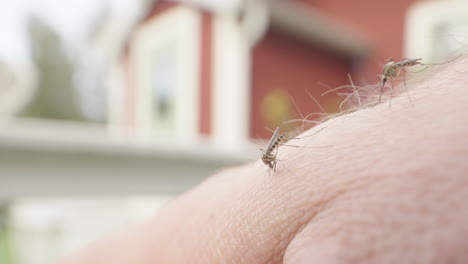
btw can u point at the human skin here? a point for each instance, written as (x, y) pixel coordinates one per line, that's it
(391, 188)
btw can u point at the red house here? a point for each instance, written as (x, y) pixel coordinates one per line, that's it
(194, 73)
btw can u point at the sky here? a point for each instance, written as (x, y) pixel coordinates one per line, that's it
(71, 19)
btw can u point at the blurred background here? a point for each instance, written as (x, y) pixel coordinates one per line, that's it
(110, 108)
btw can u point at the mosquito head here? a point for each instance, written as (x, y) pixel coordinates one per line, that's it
(388, 69)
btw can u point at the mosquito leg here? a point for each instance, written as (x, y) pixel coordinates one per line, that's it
(382, 84)
(274, 162)
(290, 172)
(313, 134)
(391, 93)
(406, 88)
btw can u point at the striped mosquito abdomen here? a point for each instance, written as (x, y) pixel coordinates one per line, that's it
(409, 62)
(277, 142)
(268, 157)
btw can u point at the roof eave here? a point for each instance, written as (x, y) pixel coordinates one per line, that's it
(309, 25)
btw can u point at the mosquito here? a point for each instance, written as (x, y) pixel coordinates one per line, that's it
(393, 69)
(269, 154)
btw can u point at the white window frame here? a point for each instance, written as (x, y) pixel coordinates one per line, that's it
(423, 20)
(184, 24)
(231, 84)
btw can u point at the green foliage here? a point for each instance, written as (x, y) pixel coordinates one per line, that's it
(55, 97)
(5, 246)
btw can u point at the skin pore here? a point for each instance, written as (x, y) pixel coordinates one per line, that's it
(391, 189)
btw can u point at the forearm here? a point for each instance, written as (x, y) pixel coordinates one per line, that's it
(390, 179)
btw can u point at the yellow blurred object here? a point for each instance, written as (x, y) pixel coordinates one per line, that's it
(276, 107)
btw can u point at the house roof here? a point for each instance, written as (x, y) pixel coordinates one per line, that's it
(289, 16)
(312, 26)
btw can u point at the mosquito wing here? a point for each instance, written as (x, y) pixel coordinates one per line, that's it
(273, 139)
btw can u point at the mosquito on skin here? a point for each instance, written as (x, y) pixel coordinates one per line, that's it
(393, 69)
(270, 153)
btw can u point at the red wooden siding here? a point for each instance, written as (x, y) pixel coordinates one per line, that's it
(280, 62)
(382, 22)
(128, 93)
(206, 73)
